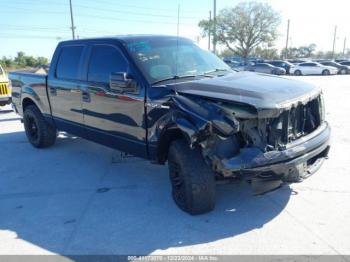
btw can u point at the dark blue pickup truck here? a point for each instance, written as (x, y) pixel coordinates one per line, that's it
(164, 99)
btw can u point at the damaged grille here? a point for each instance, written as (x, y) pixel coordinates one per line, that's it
(295, 123)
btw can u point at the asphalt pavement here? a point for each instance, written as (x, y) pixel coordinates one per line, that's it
(78, 197)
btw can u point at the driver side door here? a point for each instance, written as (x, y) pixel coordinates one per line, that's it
(113, 118)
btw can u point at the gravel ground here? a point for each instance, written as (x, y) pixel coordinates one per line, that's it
(75, 198)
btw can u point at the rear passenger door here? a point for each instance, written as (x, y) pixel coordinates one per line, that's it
(264, 69)
(315, 69)
(111, 117)
(306, 69)
(64, 87)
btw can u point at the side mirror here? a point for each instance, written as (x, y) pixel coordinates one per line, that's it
(122, 82)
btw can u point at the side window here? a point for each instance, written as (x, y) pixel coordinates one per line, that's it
(68, 62)
(105, 60)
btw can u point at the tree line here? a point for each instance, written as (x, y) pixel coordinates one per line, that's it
(251, 29)
(21, 60)
(308, 51)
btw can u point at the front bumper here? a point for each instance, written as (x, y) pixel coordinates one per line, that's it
(5, 99)
(299, 160)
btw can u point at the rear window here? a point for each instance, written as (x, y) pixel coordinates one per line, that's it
(68, 62)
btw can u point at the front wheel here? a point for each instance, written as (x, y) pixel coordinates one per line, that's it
(192, 180)
(297, 73)
(39, 132)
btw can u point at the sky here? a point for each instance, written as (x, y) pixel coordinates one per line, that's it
(36, 26)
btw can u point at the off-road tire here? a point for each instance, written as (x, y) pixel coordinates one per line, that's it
(192, 180)
(39, 132)
(325, 72)
(297, 73)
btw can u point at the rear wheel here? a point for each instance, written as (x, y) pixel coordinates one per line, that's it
(325, 72)
(39, 132)
(192, 180)
(343, 71)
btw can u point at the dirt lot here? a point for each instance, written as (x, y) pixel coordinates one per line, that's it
(73, 199)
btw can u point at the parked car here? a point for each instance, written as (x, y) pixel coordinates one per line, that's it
(164, 99)
(341, 60)
(280, 63)
(237, 66)
(266, 68)
(313, 68)
(342, 69)
(5, 93)
(347, 63)
(296, 61)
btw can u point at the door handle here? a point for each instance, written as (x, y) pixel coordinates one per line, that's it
(53, 90)
(86, 96)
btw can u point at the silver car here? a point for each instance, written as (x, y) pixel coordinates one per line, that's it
(267, 69)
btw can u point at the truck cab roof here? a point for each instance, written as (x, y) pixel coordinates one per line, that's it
(125, 38)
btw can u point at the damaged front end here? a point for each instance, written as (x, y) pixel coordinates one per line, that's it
(239, 141)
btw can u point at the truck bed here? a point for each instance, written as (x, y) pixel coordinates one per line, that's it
(25, 84)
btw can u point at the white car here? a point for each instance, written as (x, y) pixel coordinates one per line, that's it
(313, 68)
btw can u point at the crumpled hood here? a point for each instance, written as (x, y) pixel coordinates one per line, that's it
(270, 95)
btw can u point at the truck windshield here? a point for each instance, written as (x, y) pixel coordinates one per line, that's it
(173, 58)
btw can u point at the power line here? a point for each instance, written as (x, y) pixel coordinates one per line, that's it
(120, 11)
(149, 8)
(103, 17)
(134, 13)
(36, 11)
(129, 20)
(122, 19)
(21, 36)
(28, 27)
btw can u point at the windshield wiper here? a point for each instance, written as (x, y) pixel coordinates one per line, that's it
(173, 78)
(216, 70)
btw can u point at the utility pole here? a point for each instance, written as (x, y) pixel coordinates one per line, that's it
(178, 20)
(344, 47)
(286, 53)
(334, 38)
(72, 20)
(214, 28)
(209, 34)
